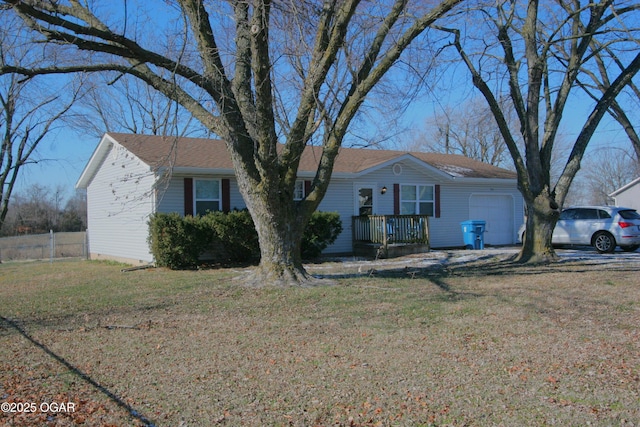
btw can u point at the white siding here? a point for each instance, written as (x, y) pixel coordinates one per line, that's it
(236, 200)
(454, 199)
(170, 194)
(119, 202)
(629, 198)
(340, 198)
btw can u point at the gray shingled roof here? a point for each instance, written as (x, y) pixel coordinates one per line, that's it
(202, 153)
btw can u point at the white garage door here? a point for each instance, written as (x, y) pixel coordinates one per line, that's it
(497, 211)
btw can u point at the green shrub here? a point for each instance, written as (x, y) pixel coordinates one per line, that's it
(323, 229)
(235, 238)
(180, 242)
(177, 242)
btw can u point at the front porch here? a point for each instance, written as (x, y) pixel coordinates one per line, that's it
(389, 236)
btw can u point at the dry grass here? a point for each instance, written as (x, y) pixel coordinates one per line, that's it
(474, 344)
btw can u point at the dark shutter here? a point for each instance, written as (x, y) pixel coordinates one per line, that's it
(437, 200)
(307, 188)
(396, 199)
(188, 196)
(226, 195)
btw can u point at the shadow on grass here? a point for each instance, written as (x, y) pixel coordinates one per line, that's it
(67, 321)
(115, 398)
(482, 266)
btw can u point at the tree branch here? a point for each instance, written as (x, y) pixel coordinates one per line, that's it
(496, 110)
(573, 163)
(368, 76)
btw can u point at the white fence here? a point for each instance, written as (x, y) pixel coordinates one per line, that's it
(44, 246)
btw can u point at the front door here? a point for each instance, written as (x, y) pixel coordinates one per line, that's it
(364, 203)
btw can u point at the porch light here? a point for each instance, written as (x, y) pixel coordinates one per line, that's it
(383, 190)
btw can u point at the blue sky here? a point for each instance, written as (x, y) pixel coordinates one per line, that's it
(65, 153)
(61, 159)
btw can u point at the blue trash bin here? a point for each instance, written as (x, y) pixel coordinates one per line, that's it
(473, 233)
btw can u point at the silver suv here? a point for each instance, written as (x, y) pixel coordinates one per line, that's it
(603, 227)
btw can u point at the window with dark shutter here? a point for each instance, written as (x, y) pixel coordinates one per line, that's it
(188, 196)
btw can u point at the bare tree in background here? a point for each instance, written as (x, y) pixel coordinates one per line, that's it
(38, 209)
(74, 215)
(607, 170)
(35, 210)
(29, 110)
(267, 77)
(122, 103)
(468, 130)
(116, 103)
(541, 49)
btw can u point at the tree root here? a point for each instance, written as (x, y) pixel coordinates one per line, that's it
(263, 276)
(545, 257)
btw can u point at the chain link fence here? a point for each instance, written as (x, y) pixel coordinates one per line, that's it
(44, 246)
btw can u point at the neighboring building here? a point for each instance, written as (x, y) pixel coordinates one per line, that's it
(628, 196)
(129, 177)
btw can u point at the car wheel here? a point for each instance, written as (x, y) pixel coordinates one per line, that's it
(604, 242)
(631, 248)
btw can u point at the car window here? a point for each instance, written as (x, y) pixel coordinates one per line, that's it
(568, 214)
(603, 214)
(629, 214)
(586, 214)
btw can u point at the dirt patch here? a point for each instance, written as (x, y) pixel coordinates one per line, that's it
(451, 338)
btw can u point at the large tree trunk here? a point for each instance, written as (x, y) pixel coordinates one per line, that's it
(542, 216)
(280, 235)
(280, 223)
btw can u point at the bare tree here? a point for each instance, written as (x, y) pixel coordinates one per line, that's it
(599, 81)
(116, 103)
(39, 209)
(468, 130)
(607, 170)
(33, 210)
(74, 215)
(541, 48)
(29, 109)
(268, 77)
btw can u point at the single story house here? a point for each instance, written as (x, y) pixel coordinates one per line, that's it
(628, 195)
(129, 177)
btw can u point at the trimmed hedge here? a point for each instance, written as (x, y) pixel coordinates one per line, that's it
(322, 230)
(181, 242)
(234, 236)
(176, 241)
